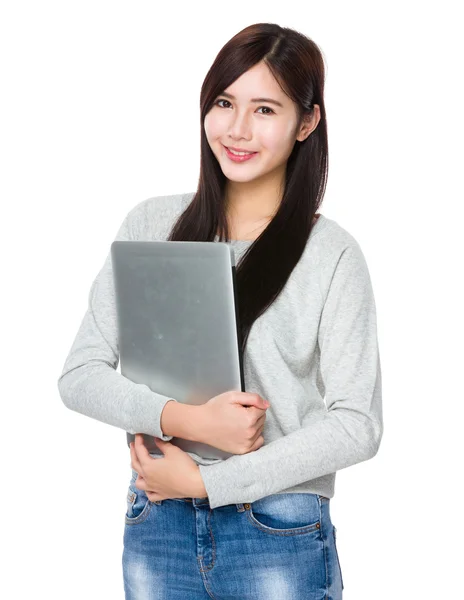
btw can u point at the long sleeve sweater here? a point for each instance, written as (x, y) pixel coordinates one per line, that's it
(313, 354)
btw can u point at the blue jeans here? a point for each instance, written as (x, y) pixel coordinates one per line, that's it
(280, 547)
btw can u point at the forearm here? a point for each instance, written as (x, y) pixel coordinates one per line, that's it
(199, 490)
(183, 420)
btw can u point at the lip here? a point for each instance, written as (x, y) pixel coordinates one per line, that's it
(238, 149)
(239, 159)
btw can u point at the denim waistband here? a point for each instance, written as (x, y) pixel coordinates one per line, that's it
(241, 506)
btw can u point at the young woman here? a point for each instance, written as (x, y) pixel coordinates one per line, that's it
(258, 524)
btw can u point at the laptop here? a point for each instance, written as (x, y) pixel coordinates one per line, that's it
(178, 326)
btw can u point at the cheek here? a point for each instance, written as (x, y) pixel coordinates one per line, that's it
(214, 127)
(275, 146)
(279, 140)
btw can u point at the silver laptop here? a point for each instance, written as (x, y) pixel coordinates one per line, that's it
(178, 323)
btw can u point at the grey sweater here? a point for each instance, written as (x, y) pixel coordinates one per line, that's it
(313, 354)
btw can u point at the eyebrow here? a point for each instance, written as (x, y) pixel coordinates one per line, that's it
(270, 100)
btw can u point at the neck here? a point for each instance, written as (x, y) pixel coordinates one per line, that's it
(253, 201)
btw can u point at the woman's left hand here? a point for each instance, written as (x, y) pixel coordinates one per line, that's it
(175, 476)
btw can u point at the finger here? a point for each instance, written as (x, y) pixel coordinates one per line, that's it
(141, 450)
(261, 419)
(141, 484)
(259, 433)
(153, 496)
(135, 463)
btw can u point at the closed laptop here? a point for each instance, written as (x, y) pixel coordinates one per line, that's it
(178, 323)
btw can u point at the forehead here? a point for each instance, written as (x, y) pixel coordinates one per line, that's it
(257, 85)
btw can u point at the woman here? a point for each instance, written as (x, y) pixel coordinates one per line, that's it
(258, 524)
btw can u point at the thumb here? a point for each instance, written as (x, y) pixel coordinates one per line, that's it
(162, 445)
(254, 400)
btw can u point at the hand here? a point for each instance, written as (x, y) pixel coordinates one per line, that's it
(234, 421)
(175, 476)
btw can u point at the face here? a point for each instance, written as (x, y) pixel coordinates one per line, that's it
(263, 127)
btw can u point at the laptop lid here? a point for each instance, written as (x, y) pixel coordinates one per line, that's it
(178, 324)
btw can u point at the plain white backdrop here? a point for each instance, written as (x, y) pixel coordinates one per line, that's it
(99, 111)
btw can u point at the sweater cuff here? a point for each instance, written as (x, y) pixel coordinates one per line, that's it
(160, 434)
(223, 481)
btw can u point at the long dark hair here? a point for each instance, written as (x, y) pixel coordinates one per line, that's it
(297, 64)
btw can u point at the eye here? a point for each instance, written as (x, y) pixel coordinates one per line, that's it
(267, 108)
(223, 100)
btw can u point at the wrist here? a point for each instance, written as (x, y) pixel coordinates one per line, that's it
(181, 420)
(198, 487)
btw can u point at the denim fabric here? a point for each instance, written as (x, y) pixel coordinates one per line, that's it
(280, 547)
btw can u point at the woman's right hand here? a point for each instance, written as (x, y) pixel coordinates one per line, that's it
(234, 421)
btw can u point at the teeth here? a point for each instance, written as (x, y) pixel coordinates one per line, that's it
(239, 153)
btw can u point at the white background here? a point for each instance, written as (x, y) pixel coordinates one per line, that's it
(99, 111)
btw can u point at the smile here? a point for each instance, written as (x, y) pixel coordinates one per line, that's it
(239, 157)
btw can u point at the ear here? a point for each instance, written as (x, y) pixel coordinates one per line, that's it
(310, 122)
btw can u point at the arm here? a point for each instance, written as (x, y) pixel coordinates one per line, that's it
(351, 429)
(89, 383)
(182, 420)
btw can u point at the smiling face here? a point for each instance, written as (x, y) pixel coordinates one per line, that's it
(245, 117)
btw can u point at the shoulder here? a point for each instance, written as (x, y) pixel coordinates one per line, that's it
(333, 237)
(329, 240)
(333, 249)
(153, 217)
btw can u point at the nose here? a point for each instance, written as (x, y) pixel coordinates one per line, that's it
(239, 128)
